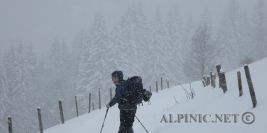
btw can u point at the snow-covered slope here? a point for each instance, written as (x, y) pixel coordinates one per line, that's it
(173, 101)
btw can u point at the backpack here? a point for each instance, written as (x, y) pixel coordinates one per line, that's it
(136, 93)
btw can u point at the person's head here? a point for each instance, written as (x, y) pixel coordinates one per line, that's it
(117, 76)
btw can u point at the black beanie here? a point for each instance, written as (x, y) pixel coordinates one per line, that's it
(117, 74)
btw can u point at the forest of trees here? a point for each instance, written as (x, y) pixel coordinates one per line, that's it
(162, 45)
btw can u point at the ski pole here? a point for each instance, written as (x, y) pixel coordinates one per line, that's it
(141, 124)
(104, 120)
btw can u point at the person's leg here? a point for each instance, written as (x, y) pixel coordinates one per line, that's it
(130, 130)
(126, 121)
(130, 120)
(122, 130)
(123, 116)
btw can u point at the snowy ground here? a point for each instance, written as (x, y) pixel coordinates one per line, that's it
(207, 101)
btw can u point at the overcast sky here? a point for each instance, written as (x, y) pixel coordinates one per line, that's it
(41, 21)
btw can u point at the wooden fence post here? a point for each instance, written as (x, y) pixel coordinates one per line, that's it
(161, 83)
(250, 85)
(61, 111)
(208, 79)
(40, 120)
(76, 105)
(89, 107)
(212, 80)
(99, 99)
(167, 82)
(203, 82)
(110, 91)
(157, 89)
(240, 87)
(10, 128)
(218, 68)
(223, 82)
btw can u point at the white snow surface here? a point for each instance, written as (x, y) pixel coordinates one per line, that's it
(207, 101)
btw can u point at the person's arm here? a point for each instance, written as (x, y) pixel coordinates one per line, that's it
(115, 99)
(118, 95)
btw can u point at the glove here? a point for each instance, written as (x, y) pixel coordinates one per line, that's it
(108, 106)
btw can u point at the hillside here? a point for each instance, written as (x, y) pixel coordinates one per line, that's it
(173, 101)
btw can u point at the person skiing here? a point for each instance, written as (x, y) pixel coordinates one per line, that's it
(127, 110)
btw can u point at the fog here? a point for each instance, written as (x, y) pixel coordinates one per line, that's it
(41, 21)
(58, 49)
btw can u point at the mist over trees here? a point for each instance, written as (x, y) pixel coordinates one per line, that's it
(201, 52)
(162, 45)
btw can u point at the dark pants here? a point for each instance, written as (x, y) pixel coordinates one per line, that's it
(126, 120)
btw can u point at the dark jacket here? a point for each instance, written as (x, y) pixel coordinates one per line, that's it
(120, 96)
